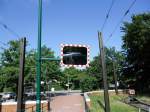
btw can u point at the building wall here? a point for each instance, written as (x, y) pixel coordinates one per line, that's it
(30, 106)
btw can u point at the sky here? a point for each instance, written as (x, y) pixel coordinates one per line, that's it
(67, 21)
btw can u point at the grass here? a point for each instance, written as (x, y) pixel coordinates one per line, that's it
(115, 103)
(145, 99)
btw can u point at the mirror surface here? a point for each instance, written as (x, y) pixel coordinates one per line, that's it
(74, 55)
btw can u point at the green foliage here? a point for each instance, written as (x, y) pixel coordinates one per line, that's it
(51, 73)
(9, 66)
(95, 68)
(71, 75)
(57, 86)
(50, 70)
(136, 42)
(78, 79)
(116, 58)
(88, 83)
(9, 89)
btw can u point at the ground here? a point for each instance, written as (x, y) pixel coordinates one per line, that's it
(67, 103)
(116, 104)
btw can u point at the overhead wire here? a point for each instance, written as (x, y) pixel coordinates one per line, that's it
(121, 20)
(9, 29)
(107, 15)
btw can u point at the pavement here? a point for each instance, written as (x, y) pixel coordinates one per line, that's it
(67, 103)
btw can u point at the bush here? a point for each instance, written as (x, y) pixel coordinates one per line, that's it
(9, 89)
(57, 86)
(88, 84)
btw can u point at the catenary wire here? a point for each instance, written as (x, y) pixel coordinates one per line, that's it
(9, 29)
(107, 15)
(121, 20)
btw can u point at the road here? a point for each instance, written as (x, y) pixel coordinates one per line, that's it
(67, 103)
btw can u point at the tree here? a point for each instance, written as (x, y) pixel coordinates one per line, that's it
(70, 75)
(95, 69)
(136, 45)
(87, 82)
(10, 67)
(50, 70)
(116, 58)
(78, 79)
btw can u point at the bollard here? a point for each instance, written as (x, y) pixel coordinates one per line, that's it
(148, 109)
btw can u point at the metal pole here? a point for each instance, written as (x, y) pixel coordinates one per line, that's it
(38, 67)
(21, 76)
(102, 53)
(115, 77)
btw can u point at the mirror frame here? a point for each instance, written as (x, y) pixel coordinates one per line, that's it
(75, 45)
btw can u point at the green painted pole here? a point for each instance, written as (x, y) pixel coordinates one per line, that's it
(38, 67)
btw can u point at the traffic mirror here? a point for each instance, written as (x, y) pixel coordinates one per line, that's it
(74, 55)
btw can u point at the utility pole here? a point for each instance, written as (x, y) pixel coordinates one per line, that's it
(38, 67)
(115, 77)
(102, 53)
(21, 76)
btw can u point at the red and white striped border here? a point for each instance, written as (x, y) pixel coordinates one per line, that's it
(75, 45)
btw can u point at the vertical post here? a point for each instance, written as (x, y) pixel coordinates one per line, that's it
(139, 109)
(21, 76)
(45, 82)
(38, 68)
(102, 53)
(115, 77)
(68, 82)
